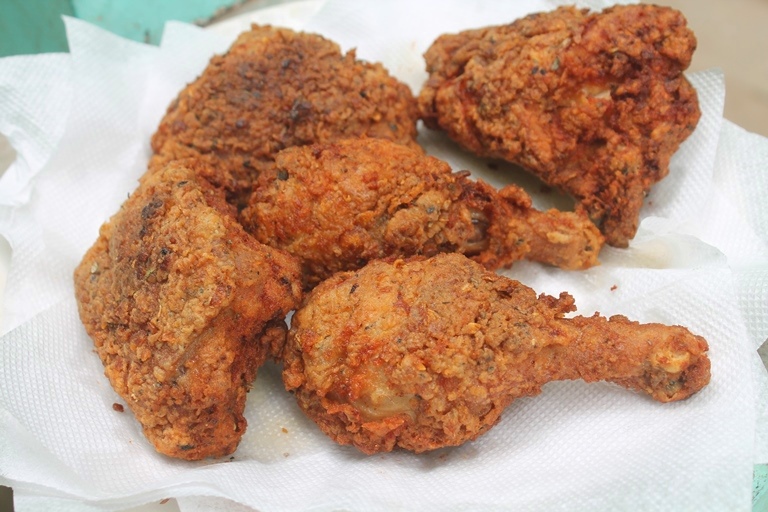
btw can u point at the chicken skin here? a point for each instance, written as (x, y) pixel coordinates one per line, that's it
(273, 89)
(426, 353)
(183, 307)
(593, 103)
(336, 206)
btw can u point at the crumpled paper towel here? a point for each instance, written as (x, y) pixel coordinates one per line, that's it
(80, 125)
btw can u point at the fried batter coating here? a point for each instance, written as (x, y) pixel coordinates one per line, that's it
(183, 307)
(277, 88)
(592, 103)
(338, 205)
(426, 353)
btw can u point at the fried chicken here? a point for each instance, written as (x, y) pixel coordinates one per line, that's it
(273, 89)
(592, 103)
(426, 353)
(338, 205)
(183, 307)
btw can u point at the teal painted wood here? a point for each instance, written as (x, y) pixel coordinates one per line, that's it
(760, 489)
(143, 20)
(33, 26)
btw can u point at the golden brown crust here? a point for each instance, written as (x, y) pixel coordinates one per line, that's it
(183, 307)
(338, 205)
(592, 103)
(426, 353)
(273, 89)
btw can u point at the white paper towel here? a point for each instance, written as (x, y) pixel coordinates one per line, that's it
(82, 133)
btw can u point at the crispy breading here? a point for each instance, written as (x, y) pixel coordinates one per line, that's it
(338, 205)
(426, 353)
(592, 103)
(273, 89)
(183, 307)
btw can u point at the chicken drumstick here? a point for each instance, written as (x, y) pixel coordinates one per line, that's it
(336, 206)
(426, 353)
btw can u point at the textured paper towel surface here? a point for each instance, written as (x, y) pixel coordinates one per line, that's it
(698, 260)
